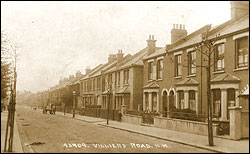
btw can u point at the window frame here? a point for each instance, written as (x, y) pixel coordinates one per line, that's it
(216, 93)
(180, 98)
(160, 69)
(245, 64)
(126, 77)
(218, 57)
(178, 65)
(150, 70)
(118, 79)
(192, 62)
(192, 97)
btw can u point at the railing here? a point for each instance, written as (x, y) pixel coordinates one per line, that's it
(185, 116)
(134, 112)
(141, 113)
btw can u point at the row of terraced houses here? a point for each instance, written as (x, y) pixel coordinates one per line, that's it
(167, 86)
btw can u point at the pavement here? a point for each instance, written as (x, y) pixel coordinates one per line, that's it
(221, 145)
(17, 146)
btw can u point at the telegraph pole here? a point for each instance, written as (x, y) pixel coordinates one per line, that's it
(109, 98)
(74, 95)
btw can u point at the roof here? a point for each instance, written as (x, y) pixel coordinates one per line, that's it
(158, 51)
(136, 59)
(225, 77)
(92, 71)
(187, 81)
(123, 90)
(237, 25)
(245, 91)
(76, 80)
(105, 67)
(227, 27)
(190, 39)
(151, 85)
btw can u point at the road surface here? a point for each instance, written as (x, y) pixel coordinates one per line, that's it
(46, 133)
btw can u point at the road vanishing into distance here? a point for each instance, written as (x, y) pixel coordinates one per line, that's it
(46, 133)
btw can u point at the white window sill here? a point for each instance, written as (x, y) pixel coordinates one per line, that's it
(192, 75)
(159, 80)
(177, 77)
(218, 72)
(241, 69)
(150, 80)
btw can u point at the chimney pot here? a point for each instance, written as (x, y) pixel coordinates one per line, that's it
(151, 45)
(178, 32)
(119, 56)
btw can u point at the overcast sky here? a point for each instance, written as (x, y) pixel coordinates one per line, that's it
(59, 38)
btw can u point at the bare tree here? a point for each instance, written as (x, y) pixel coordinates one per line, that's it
(207, 47)
(8, 62)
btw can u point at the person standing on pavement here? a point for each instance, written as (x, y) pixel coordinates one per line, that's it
(64, 108)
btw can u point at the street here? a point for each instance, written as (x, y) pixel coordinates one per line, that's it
(44, 133)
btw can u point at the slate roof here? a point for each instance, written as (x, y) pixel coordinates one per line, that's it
(190, 39)
(227, 27)
(158, 51)
(92, 71)
(110, 66)
(240, 24)
(187, 81)
(135, 59)
(225, 77)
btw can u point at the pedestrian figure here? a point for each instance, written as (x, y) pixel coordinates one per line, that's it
(120, 115)
(64, 109)
(54, 109)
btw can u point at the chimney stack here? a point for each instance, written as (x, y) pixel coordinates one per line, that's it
(119, 56)
(78, 74)
(178, 32)
(151, 45)
(112, 58)
(87, 70)
(71, 77)
(239, 9)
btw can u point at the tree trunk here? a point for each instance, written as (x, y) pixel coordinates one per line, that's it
(209, 108)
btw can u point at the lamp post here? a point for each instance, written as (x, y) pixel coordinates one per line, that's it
(74, 95)
(109, 86)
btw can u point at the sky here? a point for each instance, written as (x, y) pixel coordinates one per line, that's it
(57, 39)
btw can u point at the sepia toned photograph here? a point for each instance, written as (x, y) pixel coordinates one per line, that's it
(124, 76)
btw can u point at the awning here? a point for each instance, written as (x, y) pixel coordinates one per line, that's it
(187, 82)
(225, 77)
(87, 93)
(123, 90)
(105, 92)
(151, 85)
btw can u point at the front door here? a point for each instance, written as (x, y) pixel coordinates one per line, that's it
(164, 104)
(171, 100)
